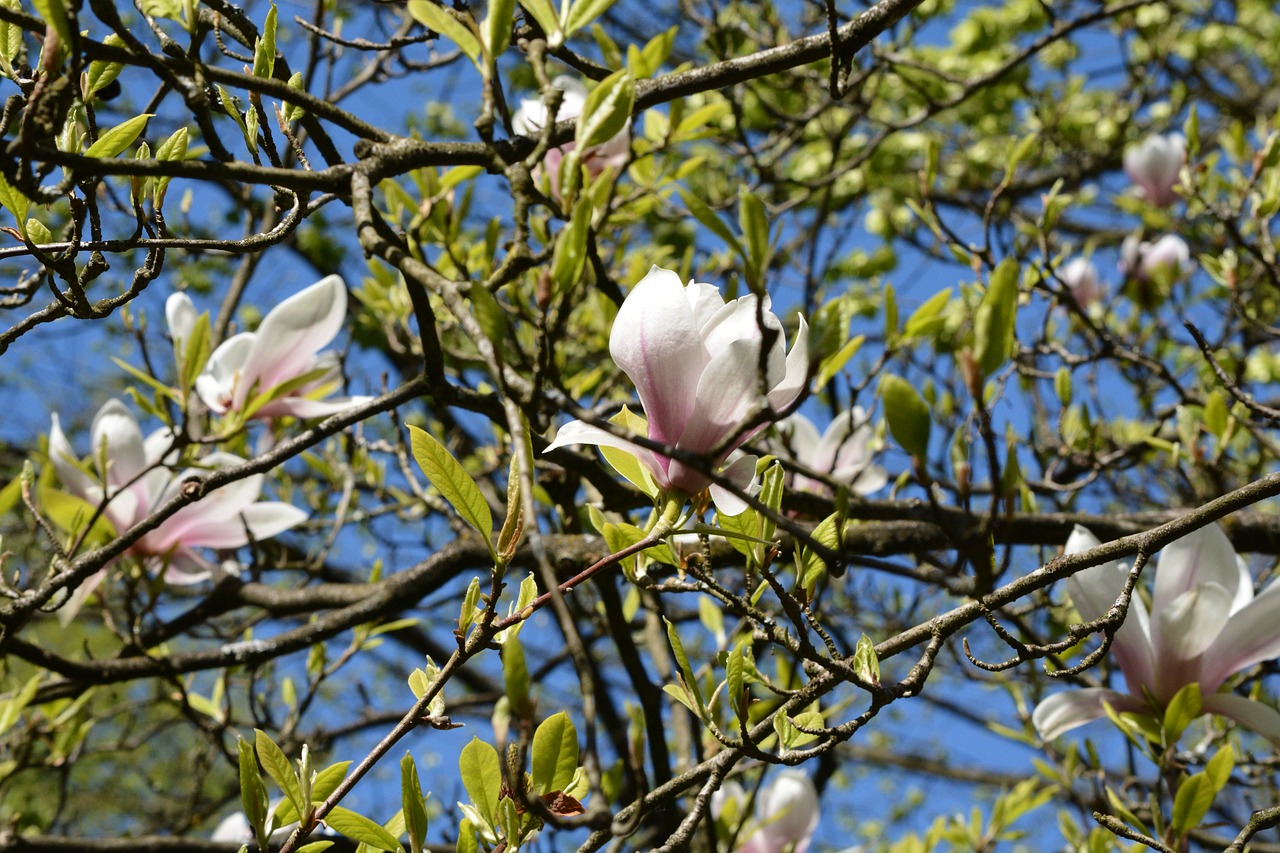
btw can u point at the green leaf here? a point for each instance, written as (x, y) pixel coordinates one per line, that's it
(688, 680)
(453, 482)
(1192, 803)
(293, 112)
(545, 14)
(443, 22)
(315, 847)
(625, 463)
(1181, 710)
(279, 769)
(554, 754)
(54, 12)
(253, 794)
(927, 319)
(415, 811)
(491, 317)
(583, 12)
(325, 783)
(753, 220)
(482, 777)
(994, 323)
(37, 232)
(13, 707)
(119, 137)
(101, 72)
(14, 201)
(173, 148)
(467, 842)
(1216, 413)
(711, 220)
(264, 51)
(907, 415)
(359, 828)
(865, 661)
(497, 26)
(515, 675)
(570, 257)
(734, 671)
(606, 111)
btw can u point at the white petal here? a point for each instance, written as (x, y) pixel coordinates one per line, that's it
(1252, 635)
(727, 393)
(63, 457)
(217, 384)
(1191, 622)
(800, 440)
(788, 810)
(1253, 715)
(1094, 591)
(1064, 711)
(656, 344)
(292, 333)
(181, 316)
(1204, 556)
(786, 391)
(305, 407)
(581, 432)
(742, 473)
(115, 427)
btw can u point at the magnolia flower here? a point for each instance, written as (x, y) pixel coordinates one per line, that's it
(842, 451)
(1154, 165)
(133, 482)
(1205, 625)
(696, 363)
(531, 118)
(786, 813)
(1169, 257)
(282, 358)
(181, 316)
(1081, 278)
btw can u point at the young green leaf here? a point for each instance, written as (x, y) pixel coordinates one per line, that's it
(497, 26)
(278, 768)
(264, 51)
(583, 12)
(415, 810)
(442, 21)
(482, 777)
(994, 325)
(554, 754)
(907, 415)
(118, 138)
(359, 828)
(515, 674)
(545, 15)
(606, 111)
(453, 482)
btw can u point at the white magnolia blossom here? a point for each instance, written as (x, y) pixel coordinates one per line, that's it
(786, 813)
(695, 361)
(1169, 256)
(1081, 278)
(531, 117)
(1153, 166)
(843, 452)
(1205, 625)
(130, 475)
(286, 347)
(181, 316)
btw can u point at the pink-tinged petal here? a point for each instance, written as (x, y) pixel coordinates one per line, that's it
(841, 444)
(273, 518)
(1253, 715)
(1191, 623)
(742, 473)
(117, 429)
(1094, 591)
(63, 457)
(183, 568)
(748, 319)
(159, 445)
(292, 333)
(1062, 712)
(1204, 556)
(305, 407)
(581, 432)
(759, 843)
(1154, 165)
(1081, 278)
(655, 343)
(796, 376)
(727, 393)
(1244, 592)
(1252, 635)
(705, 301)
(217, 383)
(181, 315)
